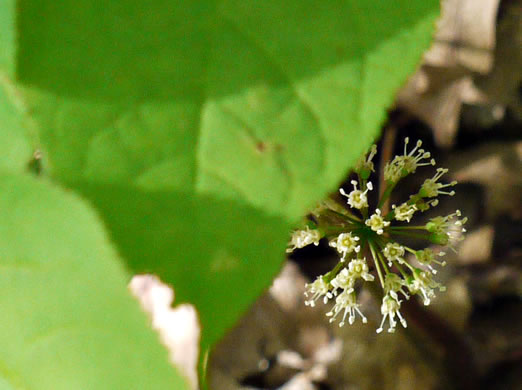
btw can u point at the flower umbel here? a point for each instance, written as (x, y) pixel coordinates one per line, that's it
(361, 231)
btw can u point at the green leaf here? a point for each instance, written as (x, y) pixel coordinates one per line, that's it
(68, 320)
(15, 144)
(7, 36)
(218, 254)
(249, 108)
(266, 102)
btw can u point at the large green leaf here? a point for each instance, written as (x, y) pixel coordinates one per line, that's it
(264, 101)
(250, 109)
(68, 320)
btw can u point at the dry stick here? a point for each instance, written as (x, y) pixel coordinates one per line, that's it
(458, 357)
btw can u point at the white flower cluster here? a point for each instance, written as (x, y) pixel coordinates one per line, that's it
(369, 233)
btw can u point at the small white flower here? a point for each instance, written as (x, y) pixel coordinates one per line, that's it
(431, 188)
(345, 243)
(389, 309)
(393, 252)
(344, 281)
(412, 160)
(347, 303)
(424, 205)
(423, 283)
(302, 238)
(427, 256)
(449, 225)
(356, 198)
(376, 222)
(394, 284)
(358, 268)
(319, 288)
(404, 212)
(364, 165)
(392, 172)
(407, 163)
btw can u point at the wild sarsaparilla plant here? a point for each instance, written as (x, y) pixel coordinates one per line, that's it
(368, 240)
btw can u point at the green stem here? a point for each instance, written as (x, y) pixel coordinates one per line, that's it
(414, 199)
(376, 262)
(364, 212)
(383, 262)
(417, 227)
(336, 230)
(349, 216)
(408, 234)
(389, 216)
(401, 270)
(407, 265)
(380, 245)
(412, 251)
(386, 194)
(339, 210)
(333, 273)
